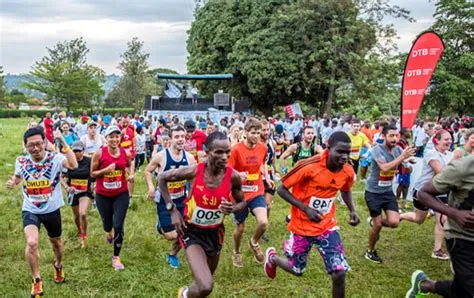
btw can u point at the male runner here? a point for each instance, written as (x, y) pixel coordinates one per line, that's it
(315, 183)
(378, 189)
(358, 140)
(170, 158)
(403, 173)
(301, 150)
(458, 180)
(127, 142)
(201, 230)
(42, 199)
(248, 158)
(271, 162)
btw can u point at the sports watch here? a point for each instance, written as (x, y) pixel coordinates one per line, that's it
(170, 206)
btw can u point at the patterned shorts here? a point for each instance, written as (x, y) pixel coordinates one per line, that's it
(330, 248)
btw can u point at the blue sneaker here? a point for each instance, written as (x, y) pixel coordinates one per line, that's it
(416, 278)
(173, 261)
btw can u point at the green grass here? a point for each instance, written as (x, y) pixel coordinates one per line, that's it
(89, 273)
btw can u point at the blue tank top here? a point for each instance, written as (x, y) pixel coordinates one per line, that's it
(177, 189)
(270, 153)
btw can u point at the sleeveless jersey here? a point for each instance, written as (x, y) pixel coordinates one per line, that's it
(201, 209)
(269, 158)
(92, 145)
(302, 153)
(113, 183)
(177, 189)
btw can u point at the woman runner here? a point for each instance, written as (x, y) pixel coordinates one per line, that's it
(109, 166)
(202, 229)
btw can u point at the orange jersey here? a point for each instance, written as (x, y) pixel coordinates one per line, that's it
(369, 133)
(316, 186)
(244, 159)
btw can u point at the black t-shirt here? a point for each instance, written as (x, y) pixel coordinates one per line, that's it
(82, 172)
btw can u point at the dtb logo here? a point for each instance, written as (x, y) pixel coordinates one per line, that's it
(420, 52)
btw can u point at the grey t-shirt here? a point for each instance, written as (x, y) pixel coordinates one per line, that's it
(457, 179)
(379, 181)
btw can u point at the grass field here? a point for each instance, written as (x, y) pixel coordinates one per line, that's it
(88, 271)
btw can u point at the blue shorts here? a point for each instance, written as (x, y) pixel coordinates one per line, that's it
(257, 202)
(404, 179)
(365, 162)
(163, 218)
(329, 245)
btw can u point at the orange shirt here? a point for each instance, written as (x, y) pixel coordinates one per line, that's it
(316, 186)
(244, 159)
(369, 133)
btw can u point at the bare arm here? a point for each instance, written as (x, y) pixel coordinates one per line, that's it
(288, 152)
(436, 166)
(237, 193)
(154, 164)
(70, 162)
(95, 172)
(387, 166)
(182, 173)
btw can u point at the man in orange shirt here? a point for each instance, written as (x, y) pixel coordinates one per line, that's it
(315, 183)
(368, 131)
(248, 158)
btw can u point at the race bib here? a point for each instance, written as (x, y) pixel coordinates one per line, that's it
(113, 180)
(386, 178)
(207, 217)
(321, 205)
(39, 191)
(354, 153)
(177, 189)
(79, 185)
(251, 183)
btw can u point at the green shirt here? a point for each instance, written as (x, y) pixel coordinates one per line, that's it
(457, 179)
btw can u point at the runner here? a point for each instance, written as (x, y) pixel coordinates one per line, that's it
(170, 158)
(194, 140)
(301, 150)
(109, 166)
(92, 140)
(202, 230)
(77, 184)
(457, 180)
(248, 158)
(315, 183)
(127, 142)
(358, 140)
(42, 200)
(271, 162)
(68, 135)
(403, 176)
(148, 140)
(140, 143)
(434, 161)
(378, 189)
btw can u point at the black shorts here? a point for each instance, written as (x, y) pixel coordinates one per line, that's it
(51, 222)
(74, 201)
(209, 239)
(355, 164)
(376, 202)
(418, 205)
(268, 189)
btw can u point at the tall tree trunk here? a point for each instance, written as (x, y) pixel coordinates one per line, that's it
(331, 91)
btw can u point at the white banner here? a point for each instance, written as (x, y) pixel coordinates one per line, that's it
(215, 116)
(294, 109)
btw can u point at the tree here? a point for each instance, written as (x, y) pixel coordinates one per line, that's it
(132, 87)
(452, 84)
(66, 78)
(281, 51)
(3, 84)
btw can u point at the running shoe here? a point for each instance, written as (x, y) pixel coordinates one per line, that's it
(173, 261)
(440, 255)
(37, 288)
(257, 252)
(269, 267)
(182, 291)
(117, 263)
(288, 218)
(372, 255)
(416, 278)
(109, 238)
(237, 260)
(58, 274)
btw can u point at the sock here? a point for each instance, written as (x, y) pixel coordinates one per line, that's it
(83, 235)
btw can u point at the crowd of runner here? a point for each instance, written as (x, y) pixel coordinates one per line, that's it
(199, 170)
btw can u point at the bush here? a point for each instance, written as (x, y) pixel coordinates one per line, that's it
(9, 113)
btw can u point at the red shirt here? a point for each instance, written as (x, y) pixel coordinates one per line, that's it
(127, 139)
(244, 159)
(48, 129)
(200, 139)
(202, 207)
(113, 183)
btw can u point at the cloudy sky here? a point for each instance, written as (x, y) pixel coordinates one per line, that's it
(27, 27)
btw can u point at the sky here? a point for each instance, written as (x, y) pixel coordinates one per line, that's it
(27, 27)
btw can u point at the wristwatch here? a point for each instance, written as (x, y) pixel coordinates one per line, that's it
(170, 206)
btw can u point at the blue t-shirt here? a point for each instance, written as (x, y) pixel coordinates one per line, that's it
(70, 138)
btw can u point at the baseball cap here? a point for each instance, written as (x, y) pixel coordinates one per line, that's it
(112, 129)
(203, 125)
(189, 125)
(77, 145)
(107, 119)
(91, 123)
